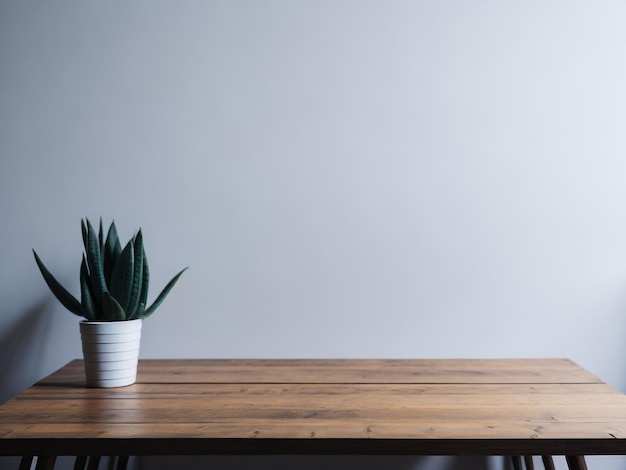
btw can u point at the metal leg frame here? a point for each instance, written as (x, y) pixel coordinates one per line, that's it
(45, 462)
(82, 462)
(26, 462)
(574, 462)
(548, 463)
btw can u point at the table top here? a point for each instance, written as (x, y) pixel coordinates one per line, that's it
(352, 406)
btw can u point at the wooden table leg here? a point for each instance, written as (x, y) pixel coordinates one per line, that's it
(517, 462)
(548, 463)
(528, 460)
(576, 462)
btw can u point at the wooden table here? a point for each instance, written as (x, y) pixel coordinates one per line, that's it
(399, 407)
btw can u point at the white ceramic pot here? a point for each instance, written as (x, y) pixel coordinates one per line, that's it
(111, 352)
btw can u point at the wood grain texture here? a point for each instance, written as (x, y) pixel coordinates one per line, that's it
(380, 371)
(452, 407)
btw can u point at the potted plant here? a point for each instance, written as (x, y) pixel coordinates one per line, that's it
(114, 290)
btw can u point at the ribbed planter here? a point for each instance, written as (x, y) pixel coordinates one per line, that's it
(111, 352)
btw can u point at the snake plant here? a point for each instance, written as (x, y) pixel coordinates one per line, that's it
(113, 281)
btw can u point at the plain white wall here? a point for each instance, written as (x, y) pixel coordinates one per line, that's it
(344, 178)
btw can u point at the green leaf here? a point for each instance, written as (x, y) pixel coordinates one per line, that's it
(150, 310)
(87, 303)
(112, 310)
(101, 236)
(141, 308)
(83, 228)
(122, 276)
(94, 263)
(67, 300)
(135, 293)
(112, 250)
(145, 282)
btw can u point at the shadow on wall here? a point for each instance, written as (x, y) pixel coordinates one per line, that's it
(22, 349)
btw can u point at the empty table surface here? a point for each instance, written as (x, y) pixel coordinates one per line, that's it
(351, 406)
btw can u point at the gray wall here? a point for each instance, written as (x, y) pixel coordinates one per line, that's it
(344, 178)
